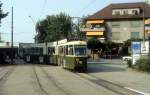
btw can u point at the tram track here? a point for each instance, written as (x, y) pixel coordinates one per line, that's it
(116, 88)
(4, 74)
(38, 81)
(54, 82)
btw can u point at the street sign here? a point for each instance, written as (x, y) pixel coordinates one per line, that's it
(136, 48)
(136, 51)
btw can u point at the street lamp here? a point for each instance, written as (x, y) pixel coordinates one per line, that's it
(34, 23)
(144, 21)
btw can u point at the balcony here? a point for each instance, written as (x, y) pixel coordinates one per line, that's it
(147, 21)
(147, 28)
(92, 29)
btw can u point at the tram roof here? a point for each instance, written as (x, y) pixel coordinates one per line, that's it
(75, 43)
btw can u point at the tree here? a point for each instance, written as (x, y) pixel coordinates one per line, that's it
(2, 15)
(54, 27)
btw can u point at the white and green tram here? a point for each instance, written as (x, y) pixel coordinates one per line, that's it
(68, 54)
(72, 55)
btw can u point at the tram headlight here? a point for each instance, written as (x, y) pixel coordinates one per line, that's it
(77, 61)
(80, 62)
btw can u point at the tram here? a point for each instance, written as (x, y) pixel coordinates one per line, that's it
(72, 55)
(68, 54)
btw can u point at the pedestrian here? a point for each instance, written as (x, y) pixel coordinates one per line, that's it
(119, 51)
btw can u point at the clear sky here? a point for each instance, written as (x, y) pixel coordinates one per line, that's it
(24, 27)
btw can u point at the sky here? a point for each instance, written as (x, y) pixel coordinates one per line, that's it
(24, 26)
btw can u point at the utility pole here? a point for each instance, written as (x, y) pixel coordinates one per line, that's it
(12, 37)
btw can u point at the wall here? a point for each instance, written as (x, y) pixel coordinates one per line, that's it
(119, 31)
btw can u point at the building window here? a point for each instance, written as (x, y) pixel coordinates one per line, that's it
(132, 11)
(115, 35)
(115, 25)
(135, 35)
(135, 12)
(116, 12)
(125, 12)
(135, 24)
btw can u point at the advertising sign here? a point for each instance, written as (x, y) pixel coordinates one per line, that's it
(144, 47)
(135, 58)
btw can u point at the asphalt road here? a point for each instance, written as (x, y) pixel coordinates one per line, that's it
(46, 80)
(100, 79)
(120, 74)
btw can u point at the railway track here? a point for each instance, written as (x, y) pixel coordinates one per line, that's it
(55, 83)
(116, 88)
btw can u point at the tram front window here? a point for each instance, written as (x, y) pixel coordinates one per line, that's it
(80, 51)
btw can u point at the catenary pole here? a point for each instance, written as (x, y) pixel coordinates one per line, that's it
(12, 37)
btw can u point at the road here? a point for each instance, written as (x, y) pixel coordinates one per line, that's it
(45, 80)
(54, 80)
(121, 75)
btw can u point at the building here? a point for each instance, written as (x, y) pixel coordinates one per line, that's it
(120, 22)
(6, 50)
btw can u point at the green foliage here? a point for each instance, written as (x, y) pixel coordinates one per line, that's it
(54, 27)
(93, 43)
(129, 63)
(128, 42)
(143, 64)
(2, 15)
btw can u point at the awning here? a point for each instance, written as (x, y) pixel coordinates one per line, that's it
(94, 33)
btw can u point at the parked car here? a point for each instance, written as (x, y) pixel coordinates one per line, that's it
(126, 58)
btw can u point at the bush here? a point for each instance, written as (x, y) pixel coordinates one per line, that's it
(143, 64)
(129, 63)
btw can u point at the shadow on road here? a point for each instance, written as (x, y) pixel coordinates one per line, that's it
(93, 68)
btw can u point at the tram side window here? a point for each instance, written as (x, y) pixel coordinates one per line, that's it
(35, 50)
(51, 50)
(61, 50)
(41, 50)
(66, 50)
(30, 50)
(70, 50)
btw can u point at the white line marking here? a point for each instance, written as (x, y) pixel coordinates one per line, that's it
(136, 91)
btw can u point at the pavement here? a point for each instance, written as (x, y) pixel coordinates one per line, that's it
(102, 60)
(122, 75)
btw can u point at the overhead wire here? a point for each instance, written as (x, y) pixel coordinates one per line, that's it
(43, 8)
(90, 3)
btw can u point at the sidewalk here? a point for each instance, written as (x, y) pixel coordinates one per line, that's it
(101, 60)
(120, 74)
